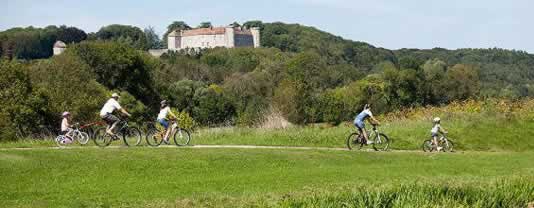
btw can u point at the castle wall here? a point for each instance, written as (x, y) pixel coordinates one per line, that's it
(226, 37)
(243, 40)
(204, 41)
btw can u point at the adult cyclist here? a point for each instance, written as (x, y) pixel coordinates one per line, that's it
(107, 113)
(359, 121)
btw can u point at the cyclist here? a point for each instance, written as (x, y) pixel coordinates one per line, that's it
(66, 127)
(436, 129)
(107, 113)
(359, 121)
(164, 113)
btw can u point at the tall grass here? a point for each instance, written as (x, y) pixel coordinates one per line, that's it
(504, 193)
(517, 192)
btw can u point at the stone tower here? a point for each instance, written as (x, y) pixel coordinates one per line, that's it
(256, 36)
(174, 40)
(59, 47)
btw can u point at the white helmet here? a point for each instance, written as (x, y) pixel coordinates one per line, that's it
(66, 113)
(437, 120)
(115, 95)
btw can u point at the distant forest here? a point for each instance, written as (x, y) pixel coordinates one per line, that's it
(302, 73)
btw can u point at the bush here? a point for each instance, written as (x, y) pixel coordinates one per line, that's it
(184, 120)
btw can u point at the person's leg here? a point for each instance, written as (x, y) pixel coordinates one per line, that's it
(361, 130)
(434, 142)
(365, 136)
(167, 131)
(112, 123)
(68, 133)
(165, 125)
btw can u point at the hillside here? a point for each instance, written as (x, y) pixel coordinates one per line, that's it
(302, 74)
(505, 73)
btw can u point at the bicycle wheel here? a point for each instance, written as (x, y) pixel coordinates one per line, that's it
(354, 141)
(154, 138)
(380, 142)
(182, 137)
(447, 145)
(90, 132)
(82, 137)
(102, 139)
(60, 141)
(427, 146)
(132, 136)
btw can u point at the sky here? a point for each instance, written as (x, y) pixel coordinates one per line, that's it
(391, 24)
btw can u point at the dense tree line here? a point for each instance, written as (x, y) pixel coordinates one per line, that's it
(306, 74)
(35, 43)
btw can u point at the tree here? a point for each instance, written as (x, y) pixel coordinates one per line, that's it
(235, 24)
(434, 78)
(462, 82)
(174, 26)
(153, 41)
(205, 25)
(70, 86)
(70, 34)
(118, 66)
(253, 23)
(124, 33)
(22, 107)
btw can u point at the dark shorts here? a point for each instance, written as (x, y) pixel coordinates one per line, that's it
(110, 119)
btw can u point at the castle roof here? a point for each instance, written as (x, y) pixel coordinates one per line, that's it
(204, 31)
(207, 31)
(174, 34)
(60, 44)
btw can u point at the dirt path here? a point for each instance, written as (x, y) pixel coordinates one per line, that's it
(204, 147)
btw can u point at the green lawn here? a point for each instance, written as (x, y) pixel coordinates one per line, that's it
(150, 177)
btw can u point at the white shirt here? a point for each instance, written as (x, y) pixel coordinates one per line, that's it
(110, 106)
(435, 129)
(64, 124)
(164, 112)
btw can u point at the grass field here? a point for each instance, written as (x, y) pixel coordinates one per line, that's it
(162, 177)
(470, 132)
(492, 167)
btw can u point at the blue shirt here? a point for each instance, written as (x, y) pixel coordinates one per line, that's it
(363, 115)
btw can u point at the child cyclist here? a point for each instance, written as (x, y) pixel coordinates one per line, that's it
(436, 129)
(66, 127)
(163, 118)
(359, 121)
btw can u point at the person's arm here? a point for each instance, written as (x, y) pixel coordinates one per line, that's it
(172, 114)
(376, 122)
(119, 107)
(125, 112)
(442, 130)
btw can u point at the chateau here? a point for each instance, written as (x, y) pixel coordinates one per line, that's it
(228, 37)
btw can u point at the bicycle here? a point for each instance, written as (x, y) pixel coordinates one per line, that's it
(379, 140)
(181, 137)
(80, 136)
(89, 128)
(130, 135)
(445, 143)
